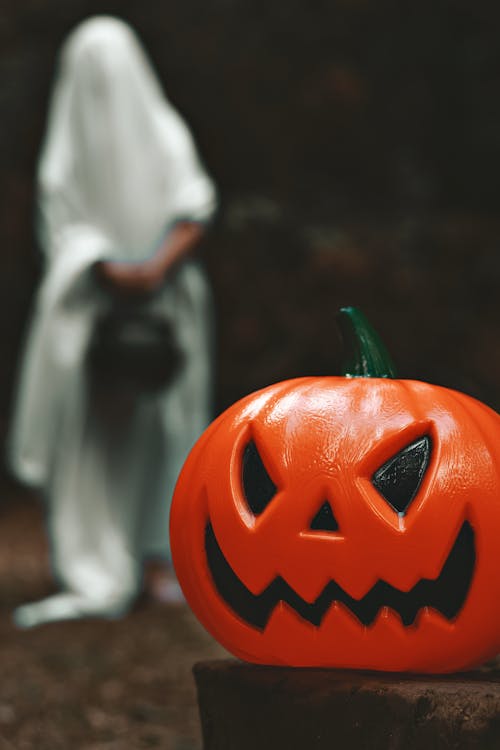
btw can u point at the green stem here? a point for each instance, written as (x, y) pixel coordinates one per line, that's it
(366, 355)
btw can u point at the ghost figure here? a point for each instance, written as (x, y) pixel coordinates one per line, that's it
(123, 198)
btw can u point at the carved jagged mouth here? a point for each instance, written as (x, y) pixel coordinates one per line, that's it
(446, 594)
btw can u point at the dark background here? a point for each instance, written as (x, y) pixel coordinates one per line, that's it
(356, 147)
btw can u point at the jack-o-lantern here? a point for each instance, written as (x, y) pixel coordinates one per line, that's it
(346, 521)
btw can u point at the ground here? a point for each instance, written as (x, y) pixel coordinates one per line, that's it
(90, 685)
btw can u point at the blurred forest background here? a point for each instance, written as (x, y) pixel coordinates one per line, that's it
(356, 147)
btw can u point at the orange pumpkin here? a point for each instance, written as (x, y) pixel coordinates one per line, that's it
(346, 522)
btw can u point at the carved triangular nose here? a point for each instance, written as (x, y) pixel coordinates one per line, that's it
(324, 520)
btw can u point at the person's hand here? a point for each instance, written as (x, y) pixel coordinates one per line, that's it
(130, 278)
(147, 276)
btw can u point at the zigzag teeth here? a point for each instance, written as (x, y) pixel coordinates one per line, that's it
(446, 594)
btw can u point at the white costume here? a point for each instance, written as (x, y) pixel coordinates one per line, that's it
(117, 169)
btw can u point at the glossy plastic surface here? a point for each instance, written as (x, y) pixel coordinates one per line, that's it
(372, 587)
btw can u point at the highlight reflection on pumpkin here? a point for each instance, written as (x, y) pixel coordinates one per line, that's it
(346, 521)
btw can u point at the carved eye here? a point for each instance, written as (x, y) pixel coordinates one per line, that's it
(258, 486)
(324, 520)
(399, 478)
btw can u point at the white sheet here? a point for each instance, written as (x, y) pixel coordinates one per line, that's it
(118, 168)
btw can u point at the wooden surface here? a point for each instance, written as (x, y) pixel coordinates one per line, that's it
(244, 706)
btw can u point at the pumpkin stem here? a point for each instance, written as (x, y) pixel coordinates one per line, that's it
(366, 355)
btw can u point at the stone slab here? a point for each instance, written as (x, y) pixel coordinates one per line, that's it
(250, 707)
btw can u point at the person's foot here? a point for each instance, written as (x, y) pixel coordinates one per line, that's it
(161, 584)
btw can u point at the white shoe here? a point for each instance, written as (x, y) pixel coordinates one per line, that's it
(67, 606)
